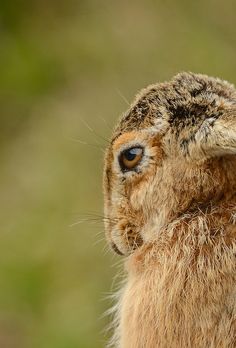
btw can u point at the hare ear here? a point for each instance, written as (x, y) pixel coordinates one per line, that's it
(218, 137)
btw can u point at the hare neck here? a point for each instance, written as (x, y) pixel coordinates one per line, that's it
(181, 287)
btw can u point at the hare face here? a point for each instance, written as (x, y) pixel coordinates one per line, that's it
(128, 190)
(173, 151)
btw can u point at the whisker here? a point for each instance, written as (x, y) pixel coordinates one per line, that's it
(118, 263)
(93, 220)
(96, 214)
(106, 123)
(82, 142)
(106, 250)
(99, 233)
(93, 131)
(100, 216)
(81, 221)
(99, 241)
(122, 96)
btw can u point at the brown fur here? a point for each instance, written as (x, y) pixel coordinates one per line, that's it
(174, 217)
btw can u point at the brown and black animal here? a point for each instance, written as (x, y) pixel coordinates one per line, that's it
(170, 207)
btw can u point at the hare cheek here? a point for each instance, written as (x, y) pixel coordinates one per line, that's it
(138, 196)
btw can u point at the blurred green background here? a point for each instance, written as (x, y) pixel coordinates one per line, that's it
(66, 66)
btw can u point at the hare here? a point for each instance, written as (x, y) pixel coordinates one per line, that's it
(170, 207)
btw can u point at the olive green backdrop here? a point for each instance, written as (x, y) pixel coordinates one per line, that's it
(68, 68)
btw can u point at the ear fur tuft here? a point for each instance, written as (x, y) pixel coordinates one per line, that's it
(218, 138)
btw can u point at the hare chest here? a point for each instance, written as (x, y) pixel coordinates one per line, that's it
(180, 299)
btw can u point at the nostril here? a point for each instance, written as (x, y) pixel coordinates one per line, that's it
(114, 247)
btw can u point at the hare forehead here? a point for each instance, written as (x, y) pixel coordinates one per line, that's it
(184, 102)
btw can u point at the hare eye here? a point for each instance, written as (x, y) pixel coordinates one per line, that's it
(130, 158)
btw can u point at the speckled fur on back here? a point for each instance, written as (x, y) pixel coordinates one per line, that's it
(174, 215)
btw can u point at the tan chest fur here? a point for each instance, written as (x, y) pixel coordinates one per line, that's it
(181, 290)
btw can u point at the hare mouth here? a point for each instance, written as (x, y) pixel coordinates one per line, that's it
(126, 249)
(116, 250)
(124, 239)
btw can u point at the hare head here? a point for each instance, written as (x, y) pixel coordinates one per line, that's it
(173, 151)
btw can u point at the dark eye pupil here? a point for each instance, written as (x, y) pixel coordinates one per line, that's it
(131, 154)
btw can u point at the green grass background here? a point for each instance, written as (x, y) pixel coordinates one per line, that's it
(65, 63)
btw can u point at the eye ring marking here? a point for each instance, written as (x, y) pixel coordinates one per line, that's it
(130, 158)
